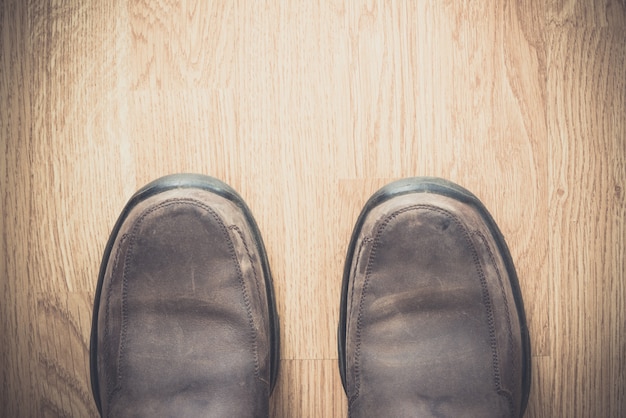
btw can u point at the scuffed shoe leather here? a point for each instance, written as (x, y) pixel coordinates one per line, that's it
(432, 320)
(184, 320)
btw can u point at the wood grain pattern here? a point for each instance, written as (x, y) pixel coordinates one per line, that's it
(306, 109)
(587, 96)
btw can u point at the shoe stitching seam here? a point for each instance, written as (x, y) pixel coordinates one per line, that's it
(501, 389)
(485, 293)
(129, 258)
(365, 241)
(257, 367)
(110, 383)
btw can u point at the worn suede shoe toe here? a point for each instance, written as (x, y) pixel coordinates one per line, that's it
(184, 321)
(432, 320)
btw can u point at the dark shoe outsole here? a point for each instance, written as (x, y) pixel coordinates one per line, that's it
(445, 188)
(186, 181)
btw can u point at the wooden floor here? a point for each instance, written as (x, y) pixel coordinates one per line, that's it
(306, 108)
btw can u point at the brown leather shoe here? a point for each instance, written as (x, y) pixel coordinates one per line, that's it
(184, 321)
(432, 320)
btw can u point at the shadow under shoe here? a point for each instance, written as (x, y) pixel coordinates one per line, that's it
(184, 320)
(432, 320)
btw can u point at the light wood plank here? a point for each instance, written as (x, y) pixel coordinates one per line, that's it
(62, 355)
(587, 114)
(309, 388)
(17, 336)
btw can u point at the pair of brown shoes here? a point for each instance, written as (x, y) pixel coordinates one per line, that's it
(185, 324)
